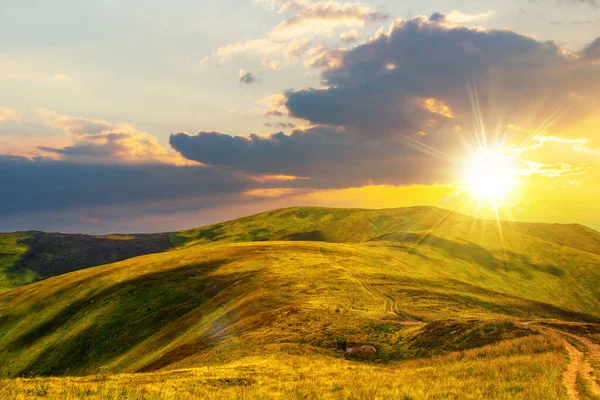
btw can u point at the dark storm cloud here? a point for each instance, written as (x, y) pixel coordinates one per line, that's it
(328, 157)
(377, 88)
(44, 185)
(277, 153)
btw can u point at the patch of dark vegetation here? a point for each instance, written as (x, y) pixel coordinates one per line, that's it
(566, 314)
(591, 331)
(209, 233)
(255, 235)
(440, 337)
(51, 254)
(314, 236)
(232, 381)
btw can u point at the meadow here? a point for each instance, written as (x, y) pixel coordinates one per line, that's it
(318, 303)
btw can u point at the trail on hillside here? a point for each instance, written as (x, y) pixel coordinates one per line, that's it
(579, 364)
(388, 302)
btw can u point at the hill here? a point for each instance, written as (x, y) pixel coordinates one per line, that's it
(185, 308)
(27, 257)
(319, 303)
(552, 263)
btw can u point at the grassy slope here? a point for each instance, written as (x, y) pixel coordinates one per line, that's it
(192, 307)
(26, 257)
(553, 263)
(257, 308)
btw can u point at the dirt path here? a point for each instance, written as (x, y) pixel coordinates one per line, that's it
(579, 362)
(388, 302)
(573, 369)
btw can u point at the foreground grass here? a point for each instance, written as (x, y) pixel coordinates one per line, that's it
(526, 368)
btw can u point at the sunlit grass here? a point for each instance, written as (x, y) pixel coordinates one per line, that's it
(528, 368)
(265, 306)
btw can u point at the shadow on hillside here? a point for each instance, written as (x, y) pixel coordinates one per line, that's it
(476, 254)
(51, 254)
(120, 316)
(456, 296)
(210, 233)
(313, 236)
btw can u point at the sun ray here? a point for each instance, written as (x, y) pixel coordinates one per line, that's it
(478, 123)
(501, 234)
(475, 218)
(430, 230)
(548, 122)
(428, 149)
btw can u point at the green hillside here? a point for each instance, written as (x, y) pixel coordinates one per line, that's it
(26, 257)
(552, 263)
(180, 309)
(379, 290)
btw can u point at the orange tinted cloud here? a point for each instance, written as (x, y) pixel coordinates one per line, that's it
(276, 178)
(436, 107)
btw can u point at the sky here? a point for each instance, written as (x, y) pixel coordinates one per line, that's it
(147, 116)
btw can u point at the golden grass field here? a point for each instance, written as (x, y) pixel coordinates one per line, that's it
(274, 306)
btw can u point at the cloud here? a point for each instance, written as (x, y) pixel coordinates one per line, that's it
(326, 156)
(323, 58)
(553, 170)
(323, 17)
(519, 80)
(8, 114)
(290, 49)
(592, 51)
(264, 46)
(578, 144)
(349, 36)
(280, 125)
(45, 185)
(273, 64)
(306, 22)
(276, 178)
(122, 146)
(75, 125)
(457, 17)
(399, 108)
(247, 77)
(85, 140)
(275, 104)
(273, 113)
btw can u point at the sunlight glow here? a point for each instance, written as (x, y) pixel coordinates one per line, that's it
(490, 176)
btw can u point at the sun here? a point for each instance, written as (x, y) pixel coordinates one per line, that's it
(490, 176)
